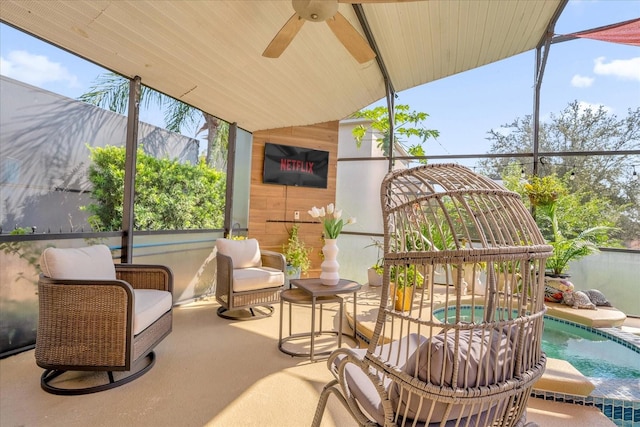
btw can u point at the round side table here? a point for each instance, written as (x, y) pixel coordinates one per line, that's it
(301, 297)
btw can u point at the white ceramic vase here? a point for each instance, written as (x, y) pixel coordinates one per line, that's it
(329, 275)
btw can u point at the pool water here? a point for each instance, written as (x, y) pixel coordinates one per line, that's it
(593, 354)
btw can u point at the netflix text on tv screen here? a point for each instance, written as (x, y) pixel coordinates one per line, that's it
(296, 166)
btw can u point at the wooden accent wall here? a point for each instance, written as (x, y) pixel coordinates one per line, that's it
(269, 202)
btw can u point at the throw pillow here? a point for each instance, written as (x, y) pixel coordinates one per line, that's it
(578, 299)
(597, 298)
(482, 359)
(554, 287)
(552, 294)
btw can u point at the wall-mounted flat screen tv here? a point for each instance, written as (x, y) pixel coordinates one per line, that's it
(296, 166)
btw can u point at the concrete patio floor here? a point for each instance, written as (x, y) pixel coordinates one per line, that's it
(214, 372)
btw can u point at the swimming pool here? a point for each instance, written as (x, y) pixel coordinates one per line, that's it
(610, 362)
(595, 354)
(618, 399)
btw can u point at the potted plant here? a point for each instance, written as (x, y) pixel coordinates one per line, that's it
(545, 195)
(374, 273)
(402, 281)
(544, 191)
(566, 250)
(332, 224)
(296, 254)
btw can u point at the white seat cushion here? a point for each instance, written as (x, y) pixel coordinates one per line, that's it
(361, 386)
(244, 253)
(89, 263)
(251, 279)
(149, 305)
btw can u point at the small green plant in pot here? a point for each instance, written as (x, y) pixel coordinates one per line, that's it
(374, 273)
(403, 279)
(296, 254)
(566, 250)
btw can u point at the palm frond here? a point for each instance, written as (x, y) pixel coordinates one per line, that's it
(111, 91)
(178, 115)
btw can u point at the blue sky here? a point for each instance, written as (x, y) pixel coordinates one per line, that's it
(466, 106)
(463, 107)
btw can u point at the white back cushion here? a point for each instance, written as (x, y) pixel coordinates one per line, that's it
(244, 253)
(92, 262)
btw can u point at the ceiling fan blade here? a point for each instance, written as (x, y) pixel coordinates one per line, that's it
(351, 38)
(284, 37)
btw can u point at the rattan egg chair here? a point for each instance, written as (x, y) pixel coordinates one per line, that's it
(468, 260)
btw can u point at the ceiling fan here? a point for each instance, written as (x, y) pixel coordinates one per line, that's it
(327, 11)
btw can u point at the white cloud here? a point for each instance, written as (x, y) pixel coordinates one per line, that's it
(35, 69)
(628, 69)
(583, 106)
(581, 81)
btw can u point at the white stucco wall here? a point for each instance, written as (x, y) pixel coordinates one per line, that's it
(358, 194)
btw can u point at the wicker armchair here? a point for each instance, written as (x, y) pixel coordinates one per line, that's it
(97, 316)
(468, 259)
(247, 278)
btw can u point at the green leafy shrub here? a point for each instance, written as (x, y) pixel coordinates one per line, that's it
(168, 195)
(295, 251)
(406, 276)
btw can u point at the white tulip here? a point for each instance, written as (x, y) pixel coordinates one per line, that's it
(330, 208)
(322, 212)
(337, 214)
(314, 212)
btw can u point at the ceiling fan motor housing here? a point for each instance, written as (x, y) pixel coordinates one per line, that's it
(315, 10)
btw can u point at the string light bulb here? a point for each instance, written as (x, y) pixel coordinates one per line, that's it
(522, 174)
(634, 175)
(572, 176)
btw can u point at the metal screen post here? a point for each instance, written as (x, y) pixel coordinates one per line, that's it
(126, 254)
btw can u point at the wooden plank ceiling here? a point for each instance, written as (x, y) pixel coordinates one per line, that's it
(209, 53)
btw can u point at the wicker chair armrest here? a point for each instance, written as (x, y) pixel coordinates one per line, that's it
(338, 356)
(100, 287)
(91, 311)
(142, 276)
(273, 259)
(224, 275)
